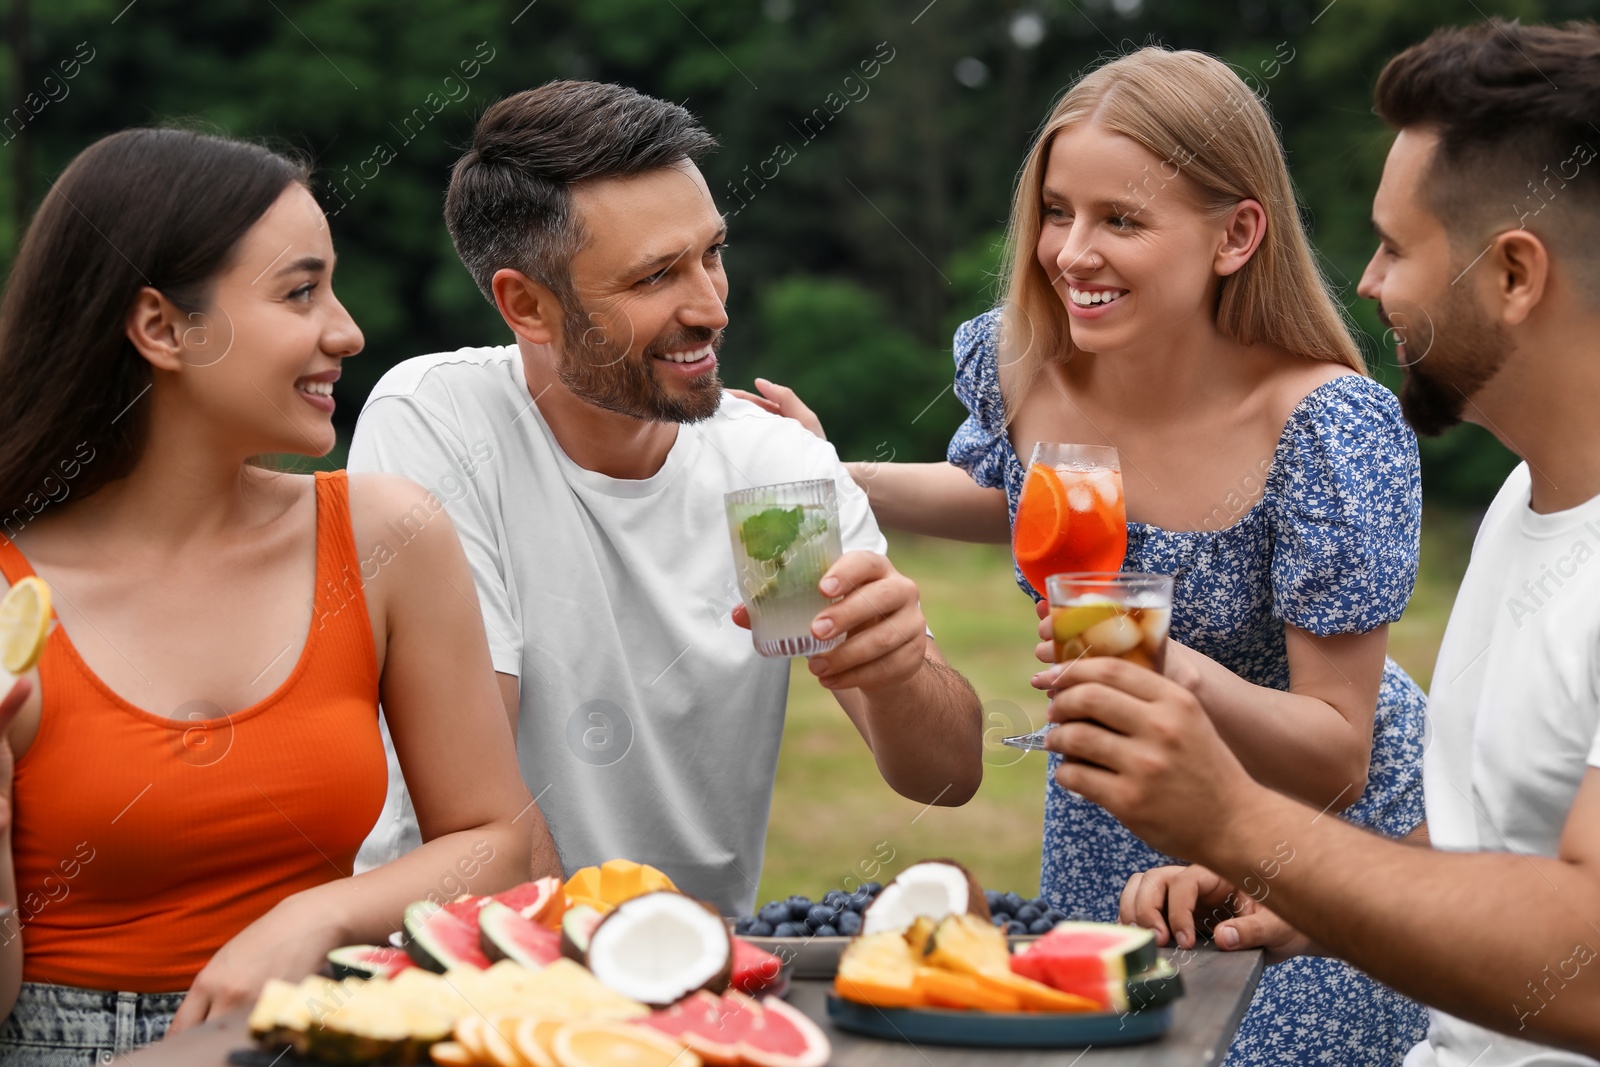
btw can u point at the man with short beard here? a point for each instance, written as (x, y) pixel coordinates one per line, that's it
(1488, 270)
(584, 466)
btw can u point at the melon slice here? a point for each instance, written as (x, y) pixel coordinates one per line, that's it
(1095, 960)
(660, 947)
(368, 961)
(442, 937)
(932, 888)
(754, 968)
(505, 934)
(577, 926)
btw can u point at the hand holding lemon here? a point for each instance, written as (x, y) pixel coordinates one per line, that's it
(24, 627)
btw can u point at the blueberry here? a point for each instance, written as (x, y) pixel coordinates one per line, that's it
(1015, 929)
(760, 929)
(858, 901)
(827, 930)
(789, 930)
(773, 914)
(1055, 916)
(995, 899)
(872, 888)
(743, 923)
(1040, 926)
(1028, 914)
(820, 915)
(1039, 905)
(799, 908)
(834, 898)
(999, 920)
(849, 924)
(1013, 902)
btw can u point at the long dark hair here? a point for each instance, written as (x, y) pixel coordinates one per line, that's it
(148, 207)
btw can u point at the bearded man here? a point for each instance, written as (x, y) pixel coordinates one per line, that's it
(584, 467)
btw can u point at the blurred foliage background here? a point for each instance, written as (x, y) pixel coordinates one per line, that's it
(868, 150)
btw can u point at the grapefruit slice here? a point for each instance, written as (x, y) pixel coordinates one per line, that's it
(1042, 515)
(24, 624)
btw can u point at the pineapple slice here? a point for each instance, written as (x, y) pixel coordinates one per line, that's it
(917, 935)
(967, 944)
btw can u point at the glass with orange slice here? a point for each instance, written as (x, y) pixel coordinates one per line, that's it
(1071, 515)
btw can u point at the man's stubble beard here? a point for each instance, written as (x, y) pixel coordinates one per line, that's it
(603, 374)
(1466, 349)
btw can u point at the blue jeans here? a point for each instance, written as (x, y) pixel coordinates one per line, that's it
(64, 1026)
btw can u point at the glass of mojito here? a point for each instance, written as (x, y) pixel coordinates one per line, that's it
(785, 537)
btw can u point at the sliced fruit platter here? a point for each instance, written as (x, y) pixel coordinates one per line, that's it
(615, 966)
(811, 935)
(931, 965)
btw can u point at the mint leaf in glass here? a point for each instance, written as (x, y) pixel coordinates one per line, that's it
(768, 534)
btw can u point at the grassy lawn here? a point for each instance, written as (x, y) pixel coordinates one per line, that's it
(834, 821)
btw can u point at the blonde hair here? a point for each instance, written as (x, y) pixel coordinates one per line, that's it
(1197, 115)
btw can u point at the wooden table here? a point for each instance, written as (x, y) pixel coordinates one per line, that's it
(1217, 990)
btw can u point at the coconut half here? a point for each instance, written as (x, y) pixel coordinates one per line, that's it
(660, 947)
(932, 889)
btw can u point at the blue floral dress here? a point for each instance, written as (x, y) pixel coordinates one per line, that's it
(1330, 547)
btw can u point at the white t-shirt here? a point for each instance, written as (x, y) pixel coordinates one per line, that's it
(1514, 718)
(649, 727)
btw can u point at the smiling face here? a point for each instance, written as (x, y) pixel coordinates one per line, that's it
(1445, 342)
(650, 290)
(261, 359)
(1130, 252)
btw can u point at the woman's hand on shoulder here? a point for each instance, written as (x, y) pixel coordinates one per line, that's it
(781, 400)
(1183, 903)
(288, 942)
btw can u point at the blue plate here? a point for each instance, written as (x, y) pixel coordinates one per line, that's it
(999, 1030)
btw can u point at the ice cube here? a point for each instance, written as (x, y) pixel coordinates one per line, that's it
(1113, 637)
(1109, 485)
(1155, 622)
(1080, 498)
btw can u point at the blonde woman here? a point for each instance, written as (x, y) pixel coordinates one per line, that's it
(1161, 297)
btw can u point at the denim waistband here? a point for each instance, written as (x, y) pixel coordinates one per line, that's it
(65, 1026)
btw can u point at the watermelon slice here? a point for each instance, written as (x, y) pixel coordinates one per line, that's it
(1101, 961)
(754, 969)
(368, 961)
(506, 934)
(442, 937)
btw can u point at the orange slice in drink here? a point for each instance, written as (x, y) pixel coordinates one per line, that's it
(1041, 515)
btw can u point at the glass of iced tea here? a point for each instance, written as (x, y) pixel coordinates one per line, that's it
(1125, 614)
(785, 537)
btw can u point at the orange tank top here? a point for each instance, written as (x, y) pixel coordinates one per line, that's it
(142, 843)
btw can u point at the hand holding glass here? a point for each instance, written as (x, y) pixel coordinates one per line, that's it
(785, 537)
(1126, 615)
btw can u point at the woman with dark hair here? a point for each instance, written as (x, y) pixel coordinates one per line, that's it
(197, 756)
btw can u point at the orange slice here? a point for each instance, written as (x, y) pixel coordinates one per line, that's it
(948, 989)
(452, 1054)
(618, 1045)
(1041, 515)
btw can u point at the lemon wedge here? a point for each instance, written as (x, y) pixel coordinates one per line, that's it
(24, 624)
(1070, 621)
